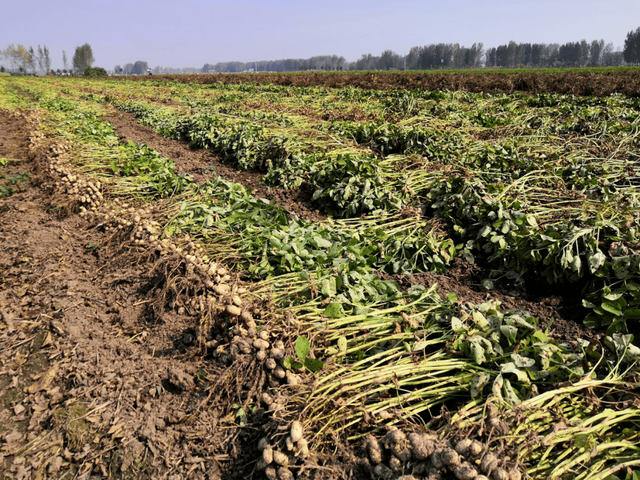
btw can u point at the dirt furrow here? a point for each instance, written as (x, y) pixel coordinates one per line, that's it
(202, 164)
(90, 381)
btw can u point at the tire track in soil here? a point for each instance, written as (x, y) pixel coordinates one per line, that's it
(88, 385)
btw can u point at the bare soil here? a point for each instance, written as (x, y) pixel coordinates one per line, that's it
(582, 83)
(90, 383)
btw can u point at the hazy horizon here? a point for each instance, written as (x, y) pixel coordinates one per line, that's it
(196, 32)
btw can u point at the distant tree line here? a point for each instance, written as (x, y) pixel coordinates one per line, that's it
(26, 60)
(433, 56)
(321, 62)
(174, 70)
(140, 67)
(456, 56)
(539, 55)
(427, 57)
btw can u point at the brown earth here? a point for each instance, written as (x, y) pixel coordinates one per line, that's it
(596, 83)
(90, 383)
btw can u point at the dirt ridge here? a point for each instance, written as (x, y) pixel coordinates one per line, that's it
(582, 83)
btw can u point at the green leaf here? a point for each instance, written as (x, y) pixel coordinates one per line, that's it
(596, 260)
(302, 348)
(478, 382)
(591, 321)
(321, 242)
(456, 324)
(576, 264)
(477, 352)
(517, 321)
(510, 394)
(540, 336)
(521, 375)
(612, 297)
(242, 415)
(632, 314)
(313, 364)
(419, 345)
(496, 388)
(342, 344)
(480, 320)
(521, 361)
(334, 310)
(611, 308)
(510, 332)
(329, 287)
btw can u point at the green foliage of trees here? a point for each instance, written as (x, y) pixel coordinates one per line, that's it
(83, 57)
(43, 59)
(537, 55)
(631, 51)
(19, 57)
(320, 62)
(95, 72)
(140, 67)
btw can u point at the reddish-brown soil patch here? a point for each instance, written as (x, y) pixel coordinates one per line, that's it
(202, 164)
(597, 83)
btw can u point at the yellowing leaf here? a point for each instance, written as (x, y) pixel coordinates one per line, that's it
(45, 381)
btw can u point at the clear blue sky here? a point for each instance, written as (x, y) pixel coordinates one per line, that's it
(190, 33)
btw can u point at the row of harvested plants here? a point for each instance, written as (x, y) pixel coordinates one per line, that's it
(350, 371)
(552, 193)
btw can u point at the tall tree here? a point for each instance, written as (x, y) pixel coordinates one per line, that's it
(64, 60)
(83, 57)
(32, 59)
(19, 56)
(631, 51)
(389, 60)
(596, 52)
(43, 59)
(140, 68)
